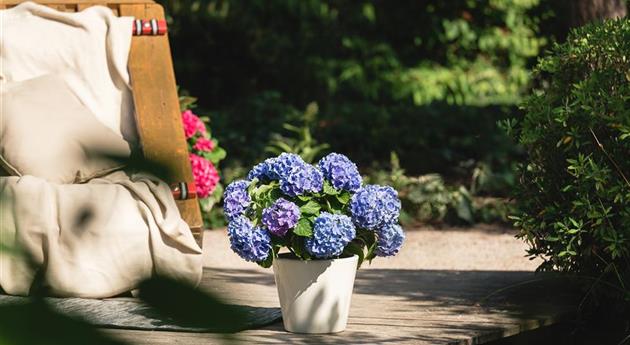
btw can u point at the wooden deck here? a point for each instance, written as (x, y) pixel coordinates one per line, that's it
(396, 306)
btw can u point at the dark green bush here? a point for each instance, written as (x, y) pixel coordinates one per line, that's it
(574, 195)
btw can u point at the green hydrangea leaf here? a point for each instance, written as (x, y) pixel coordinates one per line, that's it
(369, 239)
(268, 261)
(354, 248)
(297, 245)
(252, 186)
(329, 189)
(333, 205)
(311, 207)
(303, 228)
(304, 197)
(344, 197)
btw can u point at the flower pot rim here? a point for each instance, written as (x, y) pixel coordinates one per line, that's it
(291, 257)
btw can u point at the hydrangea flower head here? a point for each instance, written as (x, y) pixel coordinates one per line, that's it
(284, 165)
(192, 124)
(302, 179)
(390, 240)
(331, 233)
(236, 200)
(341, 172)
(373, 207)
(262, 171)
(204, 144)
(205, 175)
(280, 217)
(251, 244)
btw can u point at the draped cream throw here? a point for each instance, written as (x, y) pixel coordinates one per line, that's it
(93, 240)
(99, 238)
(93, 45)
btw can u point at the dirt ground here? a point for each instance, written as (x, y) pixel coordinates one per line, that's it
(483, 247)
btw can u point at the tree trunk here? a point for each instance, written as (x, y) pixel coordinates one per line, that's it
(585, 11)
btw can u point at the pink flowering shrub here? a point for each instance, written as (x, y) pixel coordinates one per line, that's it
(204, 154)
(193, 125)
(204, 145)
(205, 174)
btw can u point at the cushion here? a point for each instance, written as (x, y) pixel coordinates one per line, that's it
(45, 131)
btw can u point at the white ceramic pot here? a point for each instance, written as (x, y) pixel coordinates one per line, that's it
(315, 295)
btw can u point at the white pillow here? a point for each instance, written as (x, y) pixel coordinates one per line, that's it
(45, 131)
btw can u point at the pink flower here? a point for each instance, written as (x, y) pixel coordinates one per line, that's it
(205, 174)
(192, 124)
(204, 144)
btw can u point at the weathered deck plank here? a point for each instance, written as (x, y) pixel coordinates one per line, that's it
(397, 306)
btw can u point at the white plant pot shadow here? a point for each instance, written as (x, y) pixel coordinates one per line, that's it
(315, 295)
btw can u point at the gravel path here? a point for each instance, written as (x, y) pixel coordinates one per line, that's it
(484, 247)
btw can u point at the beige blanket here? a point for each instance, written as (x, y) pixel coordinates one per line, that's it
(93, 44)
(93, 240)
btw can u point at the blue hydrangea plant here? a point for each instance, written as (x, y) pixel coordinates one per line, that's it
(320, 211)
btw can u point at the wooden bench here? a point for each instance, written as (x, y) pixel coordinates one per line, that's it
(158, 117)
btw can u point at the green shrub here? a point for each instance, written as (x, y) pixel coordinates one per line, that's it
(574, 195)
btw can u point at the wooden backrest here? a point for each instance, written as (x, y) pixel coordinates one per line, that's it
(158, 117)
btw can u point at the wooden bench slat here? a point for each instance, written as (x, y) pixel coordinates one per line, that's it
(158, 117)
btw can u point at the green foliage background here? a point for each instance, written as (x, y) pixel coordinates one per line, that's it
(425, 79)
